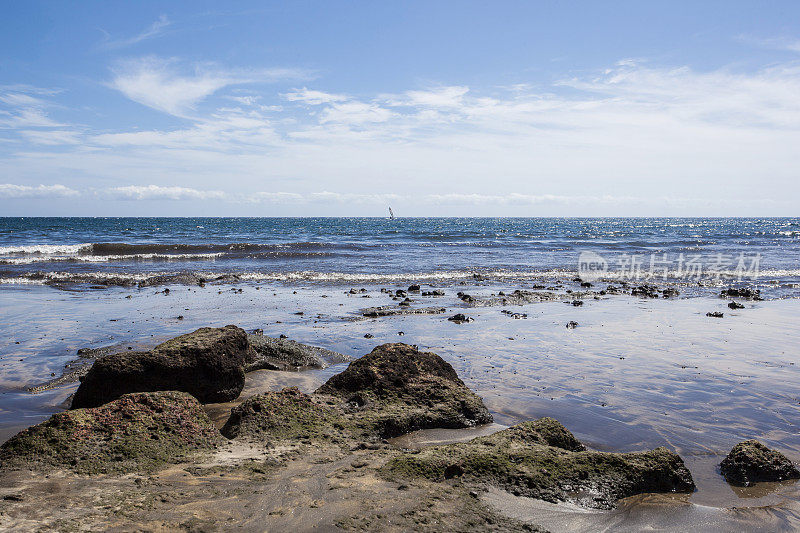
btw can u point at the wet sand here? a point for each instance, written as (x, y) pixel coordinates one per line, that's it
(635, 373)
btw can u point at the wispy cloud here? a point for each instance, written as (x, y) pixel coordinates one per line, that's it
(9, 190)
(158, 192)
(153, 30)
(173, 87)
(789, 44)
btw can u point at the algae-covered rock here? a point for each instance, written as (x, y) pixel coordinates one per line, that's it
(286, 415)
(542, 459)
(207, 363)
(285, 354)
(751, 461)
(135, 432)
(396, 389)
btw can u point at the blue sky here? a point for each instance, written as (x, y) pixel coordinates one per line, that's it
(434, 108)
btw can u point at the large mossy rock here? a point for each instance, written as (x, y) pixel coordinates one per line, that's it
(396, 389)
(135, 432)
(286, 416)
(542, 459)
(751, 461)
(208, 364)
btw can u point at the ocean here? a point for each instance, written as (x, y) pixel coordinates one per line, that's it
(130, 251)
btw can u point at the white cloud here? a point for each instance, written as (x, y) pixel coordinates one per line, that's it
(168, 86)
(311, 97)
(153, 30)
(10, 190)
(158, 192)
(51, 137)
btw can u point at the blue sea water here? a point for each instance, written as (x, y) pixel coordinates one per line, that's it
(129, 250)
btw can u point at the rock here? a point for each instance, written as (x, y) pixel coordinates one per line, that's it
(735, 305)
(514, 315)
(207, 363)
(751, 461)
(645, 291)
(460, 318)
(572, 324)
(414, 288)
(284, 354)
(376, 312)
(368, 335)
(715, 314)
(744, 292)
(577, 303)
(542, 459)
(586, 284)
(138, 431)
(288, 415)
(397, 389)
(400, 293)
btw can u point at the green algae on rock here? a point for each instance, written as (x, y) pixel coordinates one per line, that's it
(397, 389)
(207, 363)
(541, 459)
(286, 415)
(751, 461)
(139, 431)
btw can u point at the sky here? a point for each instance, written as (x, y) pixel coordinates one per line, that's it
(332, 108)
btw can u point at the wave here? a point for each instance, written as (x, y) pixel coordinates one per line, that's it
(126, 279)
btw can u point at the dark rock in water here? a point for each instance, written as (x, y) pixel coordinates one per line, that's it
(577, 303)
(669, 293)
(435, 292)
(514, 315)
(645, 291)
(735, 305)
(460, 318)
(284, 354)
(368, 335)
(136, 432)
(414, 288)
(406, 302)
(542, 459)
(744, 292)
(715, 314)
(400, 293)
(398, 389)
(376, 312)
(586, 284)
(207, 363)
(751, 461)
(572, 324)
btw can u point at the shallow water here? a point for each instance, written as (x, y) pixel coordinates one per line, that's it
(636, 373)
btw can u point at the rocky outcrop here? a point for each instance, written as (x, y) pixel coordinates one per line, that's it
(741, 292)
(396, 389)
(542, 459)
(284, 354)
(284, 416)
(135, 432)
(208, 364)
(751, 461)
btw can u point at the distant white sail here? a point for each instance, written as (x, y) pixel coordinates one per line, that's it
(391, 213)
